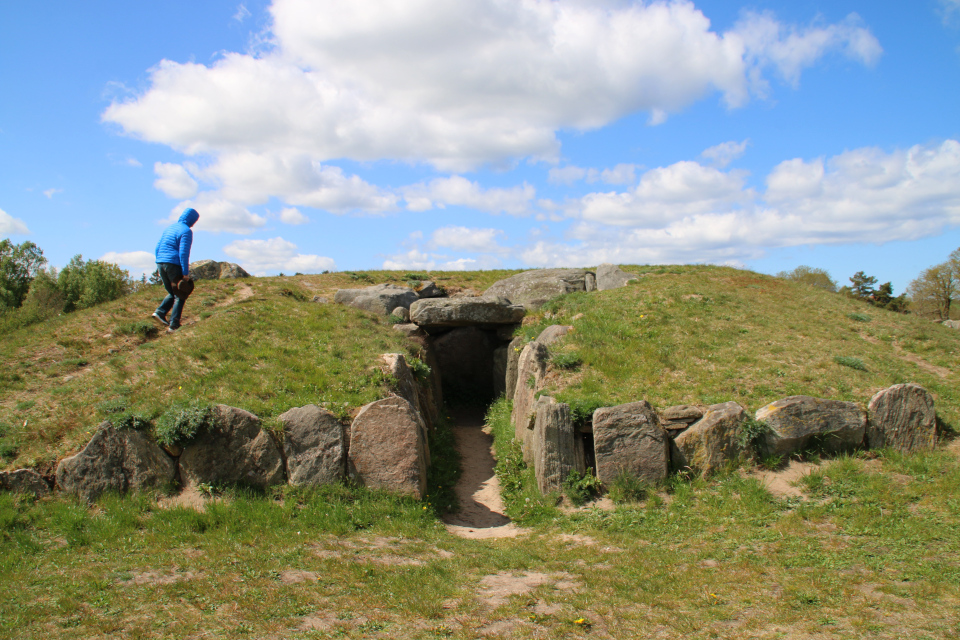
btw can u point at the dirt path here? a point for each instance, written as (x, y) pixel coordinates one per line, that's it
(481, 508)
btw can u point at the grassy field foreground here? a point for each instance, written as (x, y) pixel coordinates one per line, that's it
(867, 547)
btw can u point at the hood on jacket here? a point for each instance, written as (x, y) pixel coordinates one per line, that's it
(189, 217)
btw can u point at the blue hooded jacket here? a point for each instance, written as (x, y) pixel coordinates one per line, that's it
(174, 245)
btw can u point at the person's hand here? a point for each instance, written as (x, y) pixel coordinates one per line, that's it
(187, 278)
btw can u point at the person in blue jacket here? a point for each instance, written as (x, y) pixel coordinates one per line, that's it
(173, 263)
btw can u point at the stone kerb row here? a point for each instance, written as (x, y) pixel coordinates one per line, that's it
(631, 437)
(386, 447)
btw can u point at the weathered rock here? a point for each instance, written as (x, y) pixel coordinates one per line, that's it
(386, 447)
(401, 312)
(380, 298)
(533, 288)
(610, 276)
(465, 355)
(404, 384)
(629, 438)
(531, 371)
(319, 300)
(462, 312)
(429, 289)
(315, 446)
(902, 417)
(24, 481)
(798, 422)
(590, 282)
(553, 334)
(514, 349)
(233, 449)
(410, 330)
(952, 324)
(712, 441)
(500, 358)
(115, 460)
(681, 413)
(213, 270)
(555, 450)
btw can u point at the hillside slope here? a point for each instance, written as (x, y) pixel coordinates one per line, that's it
(679, 335)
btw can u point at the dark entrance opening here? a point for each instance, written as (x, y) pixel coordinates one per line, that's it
(466, 358)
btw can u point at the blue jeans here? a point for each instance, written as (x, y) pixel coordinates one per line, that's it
(170, 274)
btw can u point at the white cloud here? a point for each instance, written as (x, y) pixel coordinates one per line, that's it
(52, 192)
(620, 174)
(10, 226)
(466, 239)
(566, 175)
(174, 180)
(416, 260)
(724, 153)
(690, 213)
(458, 191)
(275, 255)
(242, 13)
(137, 262)
(218, 214)
(290, 215)
(439, 82)
(133, 162)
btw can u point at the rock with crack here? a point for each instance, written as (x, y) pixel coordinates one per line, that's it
(440, 313)
(514, 349)
(628, 439)
(115, 461)
(554, 449)
(233, 449)
(800, 422)
(314, 443)
(534, 288)
(712, 441)
(24, 481)
(387, 448)
(610, 276)
(531, 372)
(381, 299)
(403, 383)
(902, 417)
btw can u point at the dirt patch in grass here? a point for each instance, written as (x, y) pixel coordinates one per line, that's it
(782, 483)
(156, 577)
(296, 576)
(367, 551)
(942, 372)
(496, 589)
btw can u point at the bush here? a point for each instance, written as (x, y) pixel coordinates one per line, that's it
(420, 369)
(751, 435)
(86, 284)
(180, 424)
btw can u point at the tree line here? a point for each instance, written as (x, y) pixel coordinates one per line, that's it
(932, 294)
(30, 292)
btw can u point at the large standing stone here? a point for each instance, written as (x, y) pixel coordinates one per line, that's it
(554, 333)
(386, 448)
(500, 358)
(533, 288)
(903, 418)
(115, 460)
(555, 450)
(381, 299)
(798, 422)
(406, 386)
(315, 446)
(24, 481)
(629, 438)
(213, 270)
(233, 449)
(462, 312)
(610, 276)
(514, 349)
(531, 371)
(712, 441)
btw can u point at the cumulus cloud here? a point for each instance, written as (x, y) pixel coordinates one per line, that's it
(218, 214)
(261, 257)
(458, 191)
(417, 260)
(290, 215)
(466, 239)
(52, 192)
(620, 174)
(137, 262)
(690, 213)
(10, 226)
(724, 153)
(438, 82)
(174, 180)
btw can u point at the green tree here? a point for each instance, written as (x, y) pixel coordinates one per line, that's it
(862, 285)
(85, 284)
(933, 292)
(812, 276)
(19, 264)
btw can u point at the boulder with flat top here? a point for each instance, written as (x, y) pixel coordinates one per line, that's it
(534, 288)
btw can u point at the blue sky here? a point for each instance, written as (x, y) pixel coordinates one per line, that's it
(423, 134)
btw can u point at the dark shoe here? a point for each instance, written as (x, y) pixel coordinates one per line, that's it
(156, 316)
(171, 329)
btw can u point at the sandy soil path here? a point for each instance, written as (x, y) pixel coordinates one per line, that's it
(481, 508)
